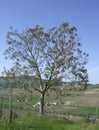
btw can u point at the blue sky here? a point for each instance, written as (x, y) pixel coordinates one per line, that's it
(84, 14)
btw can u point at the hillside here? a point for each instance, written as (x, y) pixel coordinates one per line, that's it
(20, 81)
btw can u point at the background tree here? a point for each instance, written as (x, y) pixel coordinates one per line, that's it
(50, 56)
(9, 75)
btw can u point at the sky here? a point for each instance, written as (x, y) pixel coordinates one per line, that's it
(83, 14)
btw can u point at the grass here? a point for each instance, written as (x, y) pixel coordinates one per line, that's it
(31, 99)
(46, 123)
(82, 111)
(34, 122)
(28, 122)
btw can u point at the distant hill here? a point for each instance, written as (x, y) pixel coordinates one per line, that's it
(30, 81)
(20, 81)
(24, 81)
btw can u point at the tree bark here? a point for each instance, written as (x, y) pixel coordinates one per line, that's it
(42, 103)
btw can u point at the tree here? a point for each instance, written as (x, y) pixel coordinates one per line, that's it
(8, 75)
(51, 55)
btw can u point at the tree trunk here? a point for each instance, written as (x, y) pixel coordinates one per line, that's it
(42, 103)
(10, 109)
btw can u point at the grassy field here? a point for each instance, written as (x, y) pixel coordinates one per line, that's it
(82, 111)
(76, 103)
(46, 123)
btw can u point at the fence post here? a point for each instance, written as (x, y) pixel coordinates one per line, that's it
(1, 106)
(10, 106)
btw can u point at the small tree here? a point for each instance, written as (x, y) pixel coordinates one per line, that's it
(9, 75)
(50, 56)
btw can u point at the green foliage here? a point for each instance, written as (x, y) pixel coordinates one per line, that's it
(46, 123)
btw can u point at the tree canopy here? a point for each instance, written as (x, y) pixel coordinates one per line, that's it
(51, 55)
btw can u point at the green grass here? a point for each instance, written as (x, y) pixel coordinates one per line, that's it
(28, 122)
(31, 99)
(46, 123)
(82, 112)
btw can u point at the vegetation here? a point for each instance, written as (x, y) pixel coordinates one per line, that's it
(83, 111)
(42, 60)
(51, 56)
(24, 116)
(46, 123)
